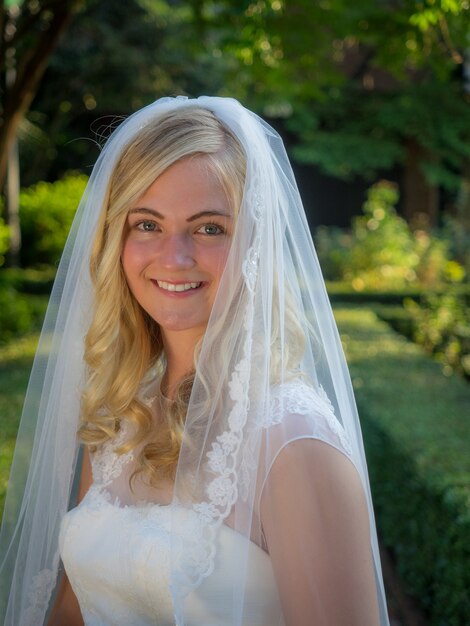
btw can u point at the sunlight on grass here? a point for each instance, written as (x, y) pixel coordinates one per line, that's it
(23, 348)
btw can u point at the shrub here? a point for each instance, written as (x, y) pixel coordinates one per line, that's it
(416, 436)
(19, 313)
(38, 280)
(47, 211)
(441, 324)
(457, 231)
(381, 252)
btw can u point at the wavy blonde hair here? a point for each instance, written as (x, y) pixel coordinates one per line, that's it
(123, 342)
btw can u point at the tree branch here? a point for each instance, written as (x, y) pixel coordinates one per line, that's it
(30, 70)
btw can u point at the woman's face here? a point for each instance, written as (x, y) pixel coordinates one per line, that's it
(176, 246)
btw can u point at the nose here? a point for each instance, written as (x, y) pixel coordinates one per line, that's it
(176, 252)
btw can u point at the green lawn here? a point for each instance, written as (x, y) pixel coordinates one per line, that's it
(15, 363)
(398, 384)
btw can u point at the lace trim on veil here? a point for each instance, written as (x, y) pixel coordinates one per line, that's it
(199, 549)
(39, 594)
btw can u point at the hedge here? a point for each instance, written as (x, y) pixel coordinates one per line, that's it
(417, 438)
(20, 313)
(47, 211)
(342, 292)
(29, 280)
(24, 294)
(441, 327)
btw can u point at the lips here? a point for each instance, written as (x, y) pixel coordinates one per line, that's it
(177, 287)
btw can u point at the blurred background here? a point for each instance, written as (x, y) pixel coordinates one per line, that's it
(372, 99)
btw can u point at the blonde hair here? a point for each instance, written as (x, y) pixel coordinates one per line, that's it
(123, 341)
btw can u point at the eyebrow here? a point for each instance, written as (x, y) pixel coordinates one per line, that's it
(193, 218)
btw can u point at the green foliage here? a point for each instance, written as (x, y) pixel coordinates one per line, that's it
(441, 324)
(438, 322)
(38, 280)
(350, 134)
(15, 365)
(382, 246)
(416, 434)
(4, 240)
(457, 231)
(396, 316)
(381, 252)
(342, 136)
(116, 58)
(15, 315)
(47, 211)
(312, 63)
(344, 292)
(19, 313)
(24, 296)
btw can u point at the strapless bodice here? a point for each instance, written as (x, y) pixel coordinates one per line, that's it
(118, 563)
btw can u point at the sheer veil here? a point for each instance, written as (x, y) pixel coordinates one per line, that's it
(270, 372)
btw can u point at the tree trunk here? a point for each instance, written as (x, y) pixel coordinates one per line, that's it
(12, 195)
(421, 199)
(29, 71)
(12, 204)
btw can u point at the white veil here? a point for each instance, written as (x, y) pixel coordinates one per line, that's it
(271, 372)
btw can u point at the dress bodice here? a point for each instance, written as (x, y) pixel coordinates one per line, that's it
(118, 562)
(118, 553)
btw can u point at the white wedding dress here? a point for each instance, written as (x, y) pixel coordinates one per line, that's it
(118, 563)
(117, 556)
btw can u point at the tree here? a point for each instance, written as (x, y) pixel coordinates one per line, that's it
(362, 86)
(29, 32)
(117, 57)
(403, 101)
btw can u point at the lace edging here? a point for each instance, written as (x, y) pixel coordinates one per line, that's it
(300, 399)
(107, 464)
(222, 490)
(39, 595)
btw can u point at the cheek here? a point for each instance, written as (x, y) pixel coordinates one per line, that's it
(132, 258)
(215, 259)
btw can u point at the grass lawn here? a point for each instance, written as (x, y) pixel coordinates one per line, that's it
(16, 359)
(397, 383)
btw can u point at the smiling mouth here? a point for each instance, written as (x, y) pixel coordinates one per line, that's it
(177, 287)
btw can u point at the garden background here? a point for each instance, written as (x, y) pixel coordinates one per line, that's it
(373, 102)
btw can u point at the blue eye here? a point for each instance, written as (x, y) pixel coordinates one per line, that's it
(211, 229)
(146, 225)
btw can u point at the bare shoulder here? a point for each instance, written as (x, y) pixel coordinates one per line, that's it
(315, 522)
(316, 463)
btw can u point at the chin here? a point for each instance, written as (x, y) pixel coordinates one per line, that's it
(176, 323)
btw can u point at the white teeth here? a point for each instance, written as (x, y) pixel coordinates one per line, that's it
(180, 287)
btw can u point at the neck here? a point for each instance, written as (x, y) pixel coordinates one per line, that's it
(179, 353)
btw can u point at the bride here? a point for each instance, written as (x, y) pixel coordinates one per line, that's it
(190, 451)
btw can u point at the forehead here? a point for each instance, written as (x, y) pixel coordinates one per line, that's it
(189, 185)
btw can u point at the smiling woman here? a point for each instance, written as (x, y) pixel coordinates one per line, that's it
(196, 390)
(173, 256)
